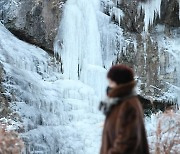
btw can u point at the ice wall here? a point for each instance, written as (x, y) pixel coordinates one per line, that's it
(78, 38)
(78, 44)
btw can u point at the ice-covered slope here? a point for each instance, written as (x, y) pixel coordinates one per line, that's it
(59, 115)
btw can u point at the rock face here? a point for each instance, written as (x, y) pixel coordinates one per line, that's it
(34, 21)
(145, 38)
(5, 111)
(3, 103)
(170, 13)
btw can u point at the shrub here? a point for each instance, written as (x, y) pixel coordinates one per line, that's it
(10, 143)
(166, 138)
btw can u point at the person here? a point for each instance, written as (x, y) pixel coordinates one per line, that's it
(124, 130)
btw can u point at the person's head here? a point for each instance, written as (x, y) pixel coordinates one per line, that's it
(119, 75)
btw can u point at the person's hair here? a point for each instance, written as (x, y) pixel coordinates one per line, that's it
(121, 74)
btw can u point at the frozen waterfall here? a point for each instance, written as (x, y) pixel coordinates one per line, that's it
(78, 44)
(78, 41)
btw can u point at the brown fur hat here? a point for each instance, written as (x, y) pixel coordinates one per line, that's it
(121, 74)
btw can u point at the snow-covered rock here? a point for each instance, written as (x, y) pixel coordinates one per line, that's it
(34, 21)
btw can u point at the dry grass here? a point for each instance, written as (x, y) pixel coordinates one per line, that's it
(10, 143)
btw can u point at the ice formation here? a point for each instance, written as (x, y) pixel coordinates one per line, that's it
(152, 9)
(78, 44)
(78, 41)
(59, 115)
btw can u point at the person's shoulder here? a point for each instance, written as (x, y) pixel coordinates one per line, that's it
(131, 106)
(132, 102)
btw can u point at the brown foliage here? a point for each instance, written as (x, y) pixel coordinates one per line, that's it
(167, 135)
(10, 143)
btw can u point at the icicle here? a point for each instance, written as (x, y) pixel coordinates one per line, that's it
(152, 8)
(118, 13)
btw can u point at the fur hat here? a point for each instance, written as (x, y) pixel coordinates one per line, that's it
(121, 74)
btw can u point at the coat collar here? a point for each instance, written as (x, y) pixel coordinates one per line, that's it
(122, 90)
(117, 96)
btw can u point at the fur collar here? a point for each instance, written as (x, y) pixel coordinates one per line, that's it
(116, 96)
(122, 90)
(106, 105)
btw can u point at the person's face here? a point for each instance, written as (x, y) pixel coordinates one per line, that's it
(112, 84)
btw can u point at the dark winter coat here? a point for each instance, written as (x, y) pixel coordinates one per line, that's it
(124, 130)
